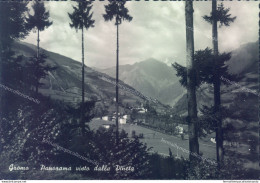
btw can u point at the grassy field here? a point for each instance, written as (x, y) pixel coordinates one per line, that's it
(153, 139)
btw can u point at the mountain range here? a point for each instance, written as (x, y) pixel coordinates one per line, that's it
(152, 77)
(158, 80)
(64, 83)
(149, 78)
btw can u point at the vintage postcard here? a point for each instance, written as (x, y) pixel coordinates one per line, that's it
(129, 90)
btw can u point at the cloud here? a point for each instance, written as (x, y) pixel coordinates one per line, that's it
(157, 30)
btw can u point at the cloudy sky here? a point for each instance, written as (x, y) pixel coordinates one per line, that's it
(157, 30)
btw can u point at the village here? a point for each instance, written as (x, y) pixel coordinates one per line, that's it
(140, 116)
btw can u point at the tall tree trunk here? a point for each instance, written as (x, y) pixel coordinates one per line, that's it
(83, 91)
(217, 99)
(117, 71)
(191, 87)
(38, 54)
(2, 102)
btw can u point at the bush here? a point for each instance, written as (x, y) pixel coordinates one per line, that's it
(168, 167)
(141, 136)
(127, 153)
(231, 169)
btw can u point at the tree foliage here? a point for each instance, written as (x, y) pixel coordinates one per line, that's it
(127, 153)
(40, 18)
(37, 69)
(222, 16)
(12, 27)
(12, 73)
(12, 22)
(204, 68)
(218, 14)
(81, 16)
(117, 10)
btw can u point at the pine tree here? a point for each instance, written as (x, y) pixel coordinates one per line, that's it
(82, 18)
(12, 22)
(221, 15)
(117, 10)
(204, 68)
(191, 83)
(12, 76)
(12, 27)
(37, 69)
(204, 74)
(39, 20)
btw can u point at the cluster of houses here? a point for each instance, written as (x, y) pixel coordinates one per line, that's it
(111, 119)
(125, 118)
(122, 119)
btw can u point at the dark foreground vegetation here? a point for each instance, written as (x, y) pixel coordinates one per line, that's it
(25, 126)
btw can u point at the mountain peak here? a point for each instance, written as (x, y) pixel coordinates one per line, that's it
(151, 59)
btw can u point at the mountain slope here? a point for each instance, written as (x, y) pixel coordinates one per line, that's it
(244, 62)
(152, 77)
(64, 83)
(244, 59)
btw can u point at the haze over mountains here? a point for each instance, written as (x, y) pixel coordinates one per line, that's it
(152, 77)
(245, 59)
(64, 83)
(158, 80)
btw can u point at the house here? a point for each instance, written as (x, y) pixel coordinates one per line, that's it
(117, 113)
(213, 140)
(127, 117)
(122, 121)
(107, 126)
(113, 119)
(141, 110)
(105, 118)
(179, 129)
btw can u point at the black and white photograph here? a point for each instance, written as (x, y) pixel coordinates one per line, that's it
(129, 90)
